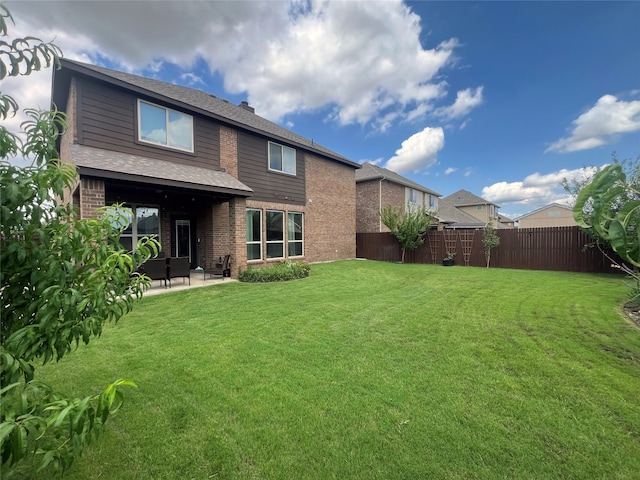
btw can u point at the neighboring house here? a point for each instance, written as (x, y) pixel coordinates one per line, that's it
(506, 222)
(477, 207)
(377, 188)
(552, 215)
(208, 177)
(451, 217)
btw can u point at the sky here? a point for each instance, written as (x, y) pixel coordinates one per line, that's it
(504, 99)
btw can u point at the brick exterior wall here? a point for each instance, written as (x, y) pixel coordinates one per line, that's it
(367, 204)
(372, 196)
(237, 234)
(68, 138)
(330, 220)
(229, 150)
(92, 197)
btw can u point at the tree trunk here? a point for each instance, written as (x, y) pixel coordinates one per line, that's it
(402, 259)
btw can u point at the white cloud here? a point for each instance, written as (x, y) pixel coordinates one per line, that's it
(466, 100)
(450, 170)
(600, 125)
(418, 152)
(287, 57)
(536, 190)
(192, 78)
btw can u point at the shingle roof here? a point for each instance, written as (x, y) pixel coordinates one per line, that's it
(463, 198)
(456, 218)
(554, 205)
(158, 172)
(370, 171)
(203, 103)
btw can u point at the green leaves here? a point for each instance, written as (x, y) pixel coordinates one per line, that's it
(62, 277)
(44, 427)
(409, 227)
(490, 240)
(611, 206)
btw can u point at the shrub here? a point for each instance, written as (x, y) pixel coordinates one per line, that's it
(280, 272)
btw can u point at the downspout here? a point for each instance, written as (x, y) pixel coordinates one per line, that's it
(380, 204)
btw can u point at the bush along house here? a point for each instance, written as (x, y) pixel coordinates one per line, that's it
(208, 177)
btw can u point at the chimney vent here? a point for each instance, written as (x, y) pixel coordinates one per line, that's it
(244, 104)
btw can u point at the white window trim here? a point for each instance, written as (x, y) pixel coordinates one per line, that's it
(301, 242)
(259, 242)
(134, 236)
(165, 145)
(295, 159)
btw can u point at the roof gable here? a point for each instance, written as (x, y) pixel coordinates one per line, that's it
(542, 209)
(449, 214)
(370, 171)
(190, 99)
(464, 198)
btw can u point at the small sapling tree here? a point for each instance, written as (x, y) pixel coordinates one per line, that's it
(61, 279)
(408, 227)
(490, 240)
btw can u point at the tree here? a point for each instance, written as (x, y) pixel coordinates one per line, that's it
(490, 240)
(610, 207)
(408, 227)
(631, 169)
(61, 279)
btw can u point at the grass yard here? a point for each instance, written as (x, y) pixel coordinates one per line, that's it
(369, 370)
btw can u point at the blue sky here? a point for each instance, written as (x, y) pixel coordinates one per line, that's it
(503, 99)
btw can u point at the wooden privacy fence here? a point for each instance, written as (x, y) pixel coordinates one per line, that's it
(554, 248)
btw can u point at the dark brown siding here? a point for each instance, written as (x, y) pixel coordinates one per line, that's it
(254, 172)
(107, 120)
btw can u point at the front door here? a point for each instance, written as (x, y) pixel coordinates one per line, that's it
(183, 239)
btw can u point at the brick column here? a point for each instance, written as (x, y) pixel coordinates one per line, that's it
(92, 197)
(229, 150)
(238, 234)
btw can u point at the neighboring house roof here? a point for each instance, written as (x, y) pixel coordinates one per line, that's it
(107, 164)
(192, 100)
(456, 218)
(551, 205)
(464, 198)
(504, 219)
(370, 171)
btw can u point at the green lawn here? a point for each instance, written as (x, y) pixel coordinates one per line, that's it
(369, 370)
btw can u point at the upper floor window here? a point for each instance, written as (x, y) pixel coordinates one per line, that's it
(282, 159)
(432, 201)
(163, 126)
(413, 196)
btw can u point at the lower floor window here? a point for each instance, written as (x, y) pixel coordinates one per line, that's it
(254, 234)
(280, 238)
(143, 222)
(295, 234)
(275, 234)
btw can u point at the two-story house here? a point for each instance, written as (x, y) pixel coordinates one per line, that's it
(208, 177)
(377, 188)
(478, 207)
(552, 215)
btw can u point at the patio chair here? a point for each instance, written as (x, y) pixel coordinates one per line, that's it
(155, 269)
(179, 267)
(220, 267)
